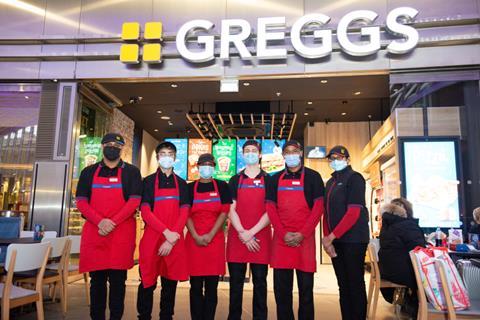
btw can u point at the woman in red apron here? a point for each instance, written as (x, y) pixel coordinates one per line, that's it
(165, 208)
(249, 234)
(108, 194)
(205, 241)
(295, 205)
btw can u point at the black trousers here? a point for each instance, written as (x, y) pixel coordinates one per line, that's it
(349, 269)
(98, 293)
(203, 303)
(167, 300)
(283, 286)
(237, 279)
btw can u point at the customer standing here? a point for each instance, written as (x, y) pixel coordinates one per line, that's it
(205, 241)
(249, 234)
(294, 206)
(346, 235)
(108, 194)
(165, 208)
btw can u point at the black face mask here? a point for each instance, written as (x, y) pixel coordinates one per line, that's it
(111, 153)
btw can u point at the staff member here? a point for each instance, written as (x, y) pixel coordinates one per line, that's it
(250, 234)
(205, 241)
(346, 234)
(165, 208)
(108, 194)
(295, 205)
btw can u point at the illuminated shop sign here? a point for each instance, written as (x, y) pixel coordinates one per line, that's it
(235, 32)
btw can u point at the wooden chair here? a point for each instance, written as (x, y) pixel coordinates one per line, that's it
(376, 281)
(471, 313)
(20, 258)
(56, 272)
(73, 270)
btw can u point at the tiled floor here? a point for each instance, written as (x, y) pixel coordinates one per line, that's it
(326, 301)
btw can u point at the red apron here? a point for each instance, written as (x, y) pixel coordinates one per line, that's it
(250, 208)
(114, 251)
(293, 211)
(174, 266)
(209, 260)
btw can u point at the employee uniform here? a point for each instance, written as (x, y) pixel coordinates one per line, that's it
(249, 194)
(294, 204)
(347, 217)
(115, 194)
(206, 264)
(165, 204)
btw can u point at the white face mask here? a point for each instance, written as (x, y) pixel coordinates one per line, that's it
(166, 162)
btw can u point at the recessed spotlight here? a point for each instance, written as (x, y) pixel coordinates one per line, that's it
(174, 85)
(246, 84)
(55, 80)
(156, 130)
(170, 123)
(278, 94)
(369, 116)
(357, 93)
(27, 97)
(344, 113)
(165, 118)
(323, 81)
(309, 102)
(305, 114)
(159, 111)
(140, 98)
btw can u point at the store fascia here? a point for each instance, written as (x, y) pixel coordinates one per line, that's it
(267, 30)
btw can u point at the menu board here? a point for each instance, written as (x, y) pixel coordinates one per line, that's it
(180, 166)
(272, 158)
(90, 151)
(431, 182)
(240, 162)
(224, 152)
(196, 147)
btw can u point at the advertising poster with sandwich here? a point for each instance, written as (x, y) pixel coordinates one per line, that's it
(180, 166)
(432, 183)
(272, 159)
(196, 147)
(90, 151)
(225, 154)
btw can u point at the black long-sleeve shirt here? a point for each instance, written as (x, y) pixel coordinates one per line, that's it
(164, 182)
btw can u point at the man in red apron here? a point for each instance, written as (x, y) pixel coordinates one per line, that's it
(205, 240)
(294, 206)
(108, 194)
(249, 234)
(165, 207)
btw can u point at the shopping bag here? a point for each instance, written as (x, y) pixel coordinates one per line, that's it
(431, 278)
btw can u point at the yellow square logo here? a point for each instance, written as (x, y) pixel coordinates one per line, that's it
(129, 53)
(152, 52)
(130, 31)
(153, 31)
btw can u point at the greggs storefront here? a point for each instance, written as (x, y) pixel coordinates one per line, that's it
(395, 81)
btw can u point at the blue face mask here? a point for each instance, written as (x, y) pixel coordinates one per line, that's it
(292, 160)
(206, 172)
(250, 158)
(166, 162)
(338, 165)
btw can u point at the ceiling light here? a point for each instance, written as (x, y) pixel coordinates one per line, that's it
(159, 111)
(170, 123)
(278, 94)
(344, 113)
(156, 130)
(55, 80)
(165, 118)
(229, 85)
(174, 85)
(309, 102)
(324, 81)
(305, 114)
(246, 84)
(357, 93)
(27, 97)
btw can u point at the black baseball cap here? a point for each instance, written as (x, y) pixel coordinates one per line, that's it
(166, 145)
(294, 143)
(206, 157)
(113, 137)
(252, 142)
(340, 150)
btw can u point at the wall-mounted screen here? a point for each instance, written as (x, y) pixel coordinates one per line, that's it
(196, 147)
(315, 152)
(181, 160)
(225, 154)
(272, 159)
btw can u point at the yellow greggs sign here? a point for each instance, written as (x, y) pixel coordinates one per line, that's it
(152, 49)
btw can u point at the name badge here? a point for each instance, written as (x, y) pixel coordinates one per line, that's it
(295, 183)
(257, 182)
(213, 194)
(113, 179)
